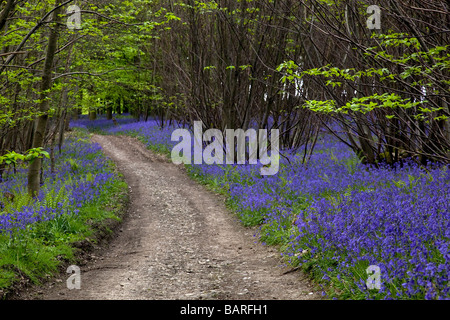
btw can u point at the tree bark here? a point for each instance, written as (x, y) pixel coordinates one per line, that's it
(10, 4)
(92, 114)
(41, 122)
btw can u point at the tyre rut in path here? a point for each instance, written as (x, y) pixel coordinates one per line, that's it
(178, 241)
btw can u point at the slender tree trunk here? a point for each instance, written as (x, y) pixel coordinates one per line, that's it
(109, 113)
(10, 4)
(64, 126)
(92, 114)
(41, 124)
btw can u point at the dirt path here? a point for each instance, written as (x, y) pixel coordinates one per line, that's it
(178, 242)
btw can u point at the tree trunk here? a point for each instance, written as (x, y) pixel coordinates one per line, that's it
(41, 124)
(10, 4)
(109, 113)
(92, 114)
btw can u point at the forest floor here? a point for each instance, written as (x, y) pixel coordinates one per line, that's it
(177, 241)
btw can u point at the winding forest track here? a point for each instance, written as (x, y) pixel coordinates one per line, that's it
(178, 241)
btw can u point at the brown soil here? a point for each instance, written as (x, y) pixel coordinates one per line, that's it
(177, 241)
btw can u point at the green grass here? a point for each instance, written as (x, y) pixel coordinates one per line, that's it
(44, 248)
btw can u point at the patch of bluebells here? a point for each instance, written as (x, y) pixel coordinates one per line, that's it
(402, 228)
(81, 173)
(353, 216)
(101, 124)
(341, 216)
(150, 133)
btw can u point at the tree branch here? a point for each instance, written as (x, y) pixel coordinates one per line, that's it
(87, 73)
(37, 26)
